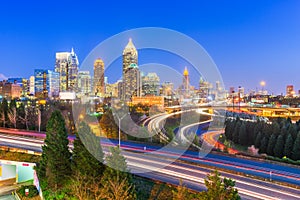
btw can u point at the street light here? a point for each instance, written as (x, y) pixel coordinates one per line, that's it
(120, 119)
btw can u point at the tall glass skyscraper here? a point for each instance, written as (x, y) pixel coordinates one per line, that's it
(84, 83)
(66, 65)
(131, 74)
(40, 83)
(99, 87)
(46, 83)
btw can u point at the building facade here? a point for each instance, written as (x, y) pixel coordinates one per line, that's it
(131, 74)
(99, 86)
(84, 83)
(66, 64)
(150, 84)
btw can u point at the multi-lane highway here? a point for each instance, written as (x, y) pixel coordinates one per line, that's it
(148, 163)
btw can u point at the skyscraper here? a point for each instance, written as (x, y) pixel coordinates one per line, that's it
(52, 83)
(40, 84)
(31, 85)
(150, 84)
(99, 87)
(46, 83)
(84, 82)
(131, 73)
(66, 65)
(290, 90)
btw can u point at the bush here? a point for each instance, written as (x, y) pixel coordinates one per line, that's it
(32, 191)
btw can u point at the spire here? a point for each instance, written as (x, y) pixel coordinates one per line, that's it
(72, 51)
(186, 72)
(130, 45)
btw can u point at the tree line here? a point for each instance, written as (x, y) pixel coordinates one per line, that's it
(81, 174)
(280, 138)
(31, 115)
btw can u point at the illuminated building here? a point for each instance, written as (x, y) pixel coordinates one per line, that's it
(22, 82)
(167, 89)
(204, 87)
(10, 90)
(99, 87)
(84, 83)
(150, 84)
(185, 88)
(131, 73)
(40, 83)
(111, 90)
(133, 82)
(148, 100)
(31, 85)
(290, 91)
(66, 65)
(52, 83)
(46, 83)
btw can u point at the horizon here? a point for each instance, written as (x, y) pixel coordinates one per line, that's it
(250, 40)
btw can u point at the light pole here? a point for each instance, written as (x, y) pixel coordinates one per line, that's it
(120, 119)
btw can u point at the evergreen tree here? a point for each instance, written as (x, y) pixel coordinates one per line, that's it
(288, 146)
(243, 139)
(296, 148)
(263, 145)
(55, 165)
(87, 153)
(275, 128)
(271, 145)
(228, 129)
(258, 140)
(218, 188)
(116, 178)
(293, 131)
(279, 146)
(236, 132)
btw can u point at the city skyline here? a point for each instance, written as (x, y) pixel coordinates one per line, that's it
(245, 39)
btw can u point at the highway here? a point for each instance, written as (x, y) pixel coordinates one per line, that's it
(150, 164)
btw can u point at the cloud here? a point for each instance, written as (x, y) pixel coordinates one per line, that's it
(3, 77)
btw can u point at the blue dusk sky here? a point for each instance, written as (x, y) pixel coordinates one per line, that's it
(249, 40)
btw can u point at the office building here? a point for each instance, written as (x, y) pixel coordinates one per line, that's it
(66, 65)
(84, 83)
(290, 91)
(99, 87)
(131, 74)
(150, 84)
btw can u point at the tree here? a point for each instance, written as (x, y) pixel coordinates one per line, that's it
(12, 116)
(275, 128)
(279, 146)
(263, 145)
(218, 188)
(293, 131)
(235, 135)
(55, 164)
(108, 126)
(243, 139)
(4, 111)
(116, 177)
(258, 140)
(288, 146)
(87, 153)
(296, 148)
(271, 145)
(181, 192)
